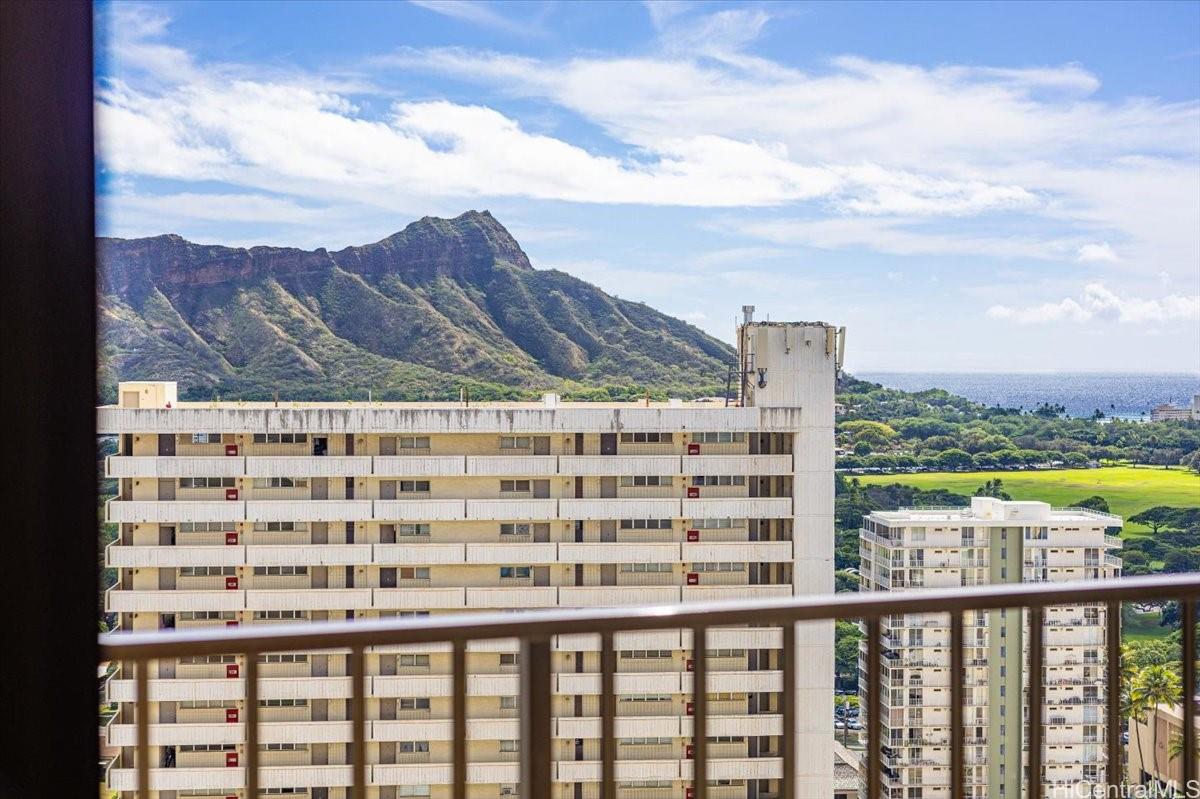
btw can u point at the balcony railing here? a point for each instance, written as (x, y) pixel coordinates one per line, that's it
(536, 632)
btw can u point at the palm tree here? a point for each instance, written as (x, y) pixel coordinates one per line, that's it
(1153, 686)
(1175, 746)
(1133, 715)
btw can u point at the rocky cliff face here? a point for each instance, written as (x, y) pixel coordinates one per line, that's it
(442, 303)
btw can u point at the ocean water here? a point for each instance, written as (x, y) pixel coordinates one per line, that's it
(1125, 395)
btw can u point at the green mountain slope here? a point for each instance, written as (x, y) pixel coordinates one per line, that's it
(442, 304)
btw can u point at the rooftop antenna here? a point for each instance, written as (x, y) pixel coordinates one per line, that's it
(276, 395)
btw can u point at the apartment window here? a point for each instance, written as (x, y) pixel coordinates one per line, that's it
(206, 438)
(718, 438)
(414, 661)
(514, 572)
(645, 654)
(640, 568)
(204, 704)
(280, 527)
(643, 784)
(727, 739)
(283, 657)
(414, 747)
(515, 442)
(281, 482)
(207, 747)
(719, 480)
(411, 614)
(508, 703)
(206, 482)
(510, 746)
(283, 747)
(509, 658)
(283, 703)
(207, 527)
(207, 571)
(645, 741)
(206, 615)
(414, 703)
(647, 438)
(287, 571)
(515, 529)
(276, 791)
(414, 486)
(280, 438)
(917, 534)
(727, 653)
(514, 486)
(644, 698)
(205, 660)
(645, 524)
(414, 573)
(718, 524)
(718, 567)
(413, 442)
(413, 529)
(414, 791)
(639, 480)
(282, 615)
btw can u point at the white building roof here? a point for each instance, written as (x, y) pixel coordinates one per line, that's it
(988, 511)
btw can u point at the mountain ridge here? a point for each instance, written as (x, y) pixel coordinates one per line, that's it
(439, 305)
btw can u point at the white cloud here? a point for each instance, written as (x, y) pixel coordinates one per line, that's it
(663, 11)
(882, 152)
(475, 13)
(908, 236)
(1100, 303)
(950, 140)
(1102, 252)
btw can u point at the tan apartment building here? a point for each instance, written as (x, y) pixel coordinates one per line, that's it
(990, 542)
(236, 513)
(1153, 750)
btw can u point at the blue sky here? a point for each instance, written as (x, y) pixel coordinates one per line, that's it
(967, 187)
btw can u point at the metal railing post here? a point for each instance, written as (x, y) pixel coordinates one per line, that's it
(459, 668)
(958, 677)
(608, 702)
(358, 724)
(251, 723)
(142, 718)
(537, 740)
(874, 701)
(1035, 702)
(1116, 752)
(700, 708)
(1188, 617)
(788, 739)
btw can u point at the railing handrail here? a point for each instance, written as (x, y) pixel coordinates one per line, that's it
(542, 624)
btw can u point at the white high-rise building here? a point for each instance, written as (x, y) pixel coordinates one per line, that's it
(234, 513)
(990, 542)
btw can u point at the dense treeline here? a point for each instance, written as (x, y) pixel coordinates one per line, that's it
(882, 428)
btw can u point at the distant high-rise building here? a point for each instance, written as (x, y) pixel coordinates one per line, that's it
(990, 542)
(234, 513)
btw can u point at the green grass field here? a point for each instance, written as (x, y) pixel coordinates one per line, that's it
(1128, 489)
(1144, 627)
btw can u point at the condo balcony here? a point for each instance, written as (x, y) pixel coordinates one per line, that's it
(693, 727)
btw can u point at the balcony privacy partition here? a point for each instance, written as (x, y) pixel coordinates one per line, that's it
(536, 631)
